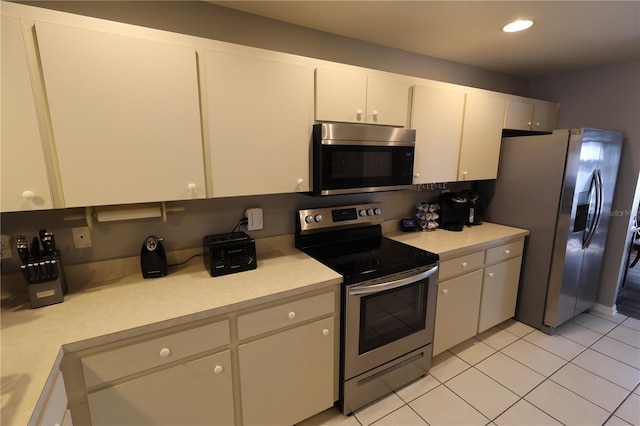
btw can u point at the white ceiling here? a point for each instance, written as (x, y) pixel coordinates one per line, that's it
(566, 35)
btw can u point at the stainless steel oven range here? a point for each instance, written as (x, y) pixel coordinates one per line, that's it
(388, 299)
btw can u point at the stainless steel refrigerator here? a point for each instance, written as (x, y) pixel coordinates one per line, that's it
(560, 187)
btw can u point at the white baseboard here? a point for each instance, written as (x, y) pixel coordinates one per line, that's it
(607, 310)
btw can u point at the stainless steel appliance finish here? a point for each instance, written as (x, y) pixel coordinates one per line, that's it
(388, 299)
(560, 187)
(356, 158)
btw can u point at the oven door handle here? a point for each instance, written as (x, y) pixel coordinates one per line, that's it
(376, 288)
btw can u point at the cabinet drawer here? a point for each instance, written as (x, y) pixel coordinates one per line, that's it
(461, 264)
(112, 364)
(270, 319)
(506, 251)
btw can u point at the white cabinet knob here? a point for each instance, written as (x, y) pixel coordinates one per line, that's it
(292, 315)
(507, 251)
(491, 274)
(375, 113)
(217, 369)
(537, 124)
(325, 332)
(300, 181)
(417, 175)
(529, 124)
(28, 195)
(464, 264)
(165, 352)
(359, 114)
(465, 173)
(192, 186)
(445, 291)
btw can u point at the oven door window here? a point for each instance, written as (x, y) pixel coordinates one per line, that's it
(391, 315)
(347, 166)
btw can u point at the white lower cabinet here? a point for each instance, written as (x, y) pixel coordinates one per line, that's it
(278, 366)
(499, 293)
(476, 292)
(457, 310)
(289, 376)
(198, 392)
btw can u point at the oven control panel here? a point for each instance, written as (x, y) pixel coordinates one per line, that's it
(326, 218)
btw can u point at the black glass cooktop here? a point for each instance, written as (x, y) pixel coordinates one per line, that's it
(370, 257)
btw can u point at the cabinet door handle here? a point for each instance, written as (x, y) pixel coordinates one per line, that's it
(300, 181)
(165, 352)
(491, 274)
(445, 291)
(325, 331)
(507, 251)
(192, 186)
(292, 315)
(217, 369)
(359, 114)
(28, 195)
(464, 264)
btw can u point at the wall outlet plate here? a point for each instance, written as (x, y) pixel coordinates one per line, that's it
(254, 219)
(5, 247)
(81, 237)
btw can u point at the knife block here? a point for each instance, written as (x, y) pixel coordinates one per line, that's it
(43, 291)
(46, 293)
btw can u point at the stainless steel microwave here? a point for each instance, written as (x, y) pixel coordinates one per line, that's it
(355, 158)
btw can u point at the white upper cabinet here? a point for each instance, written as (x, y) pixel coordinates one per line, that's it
(437, 116)
(357, 98)
(530, 115)
(481, 136)
(25, 185)
(259, 118)
(545, 116)
(125, 114)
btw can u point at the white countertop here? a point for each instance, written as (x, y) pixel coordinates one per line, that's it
(32, 338)
(450, 244)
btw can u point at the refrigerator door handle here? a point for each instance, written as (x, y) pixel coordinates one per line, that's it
(599, 190)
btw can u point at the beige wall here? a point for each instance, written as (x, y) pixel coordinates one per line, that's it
(606, 97)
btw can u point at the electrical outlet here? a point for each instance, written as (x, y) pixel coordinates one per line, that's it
(254, 221)
(5, 247)
(81, 237)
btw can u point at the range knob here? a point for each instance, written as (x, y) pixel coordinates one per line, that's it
(362, 212)
(308, 219)
(318, 218)
(370, 212)
(377, 211)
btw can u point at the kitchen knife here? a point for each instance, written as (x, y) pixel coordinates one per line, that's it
(35, 248)
(48, 242)
(23, 248)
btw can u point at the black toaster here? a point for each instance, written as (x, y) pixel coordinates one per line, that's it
(229, 253)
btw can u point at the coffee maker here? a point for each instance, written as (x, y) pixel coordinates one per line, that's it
(153, 259)
(475, 207)
(455, 213)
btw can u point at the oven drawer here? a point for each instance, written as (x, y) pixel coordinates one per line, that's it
(280, 316)
(503, 252)
(461, 264)
(112, 364)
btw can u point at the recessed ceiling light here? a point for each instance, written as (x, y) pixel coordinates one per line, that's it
(519, 25)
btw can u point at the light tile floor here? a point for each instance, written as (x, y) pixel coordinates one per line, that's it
(587, 373)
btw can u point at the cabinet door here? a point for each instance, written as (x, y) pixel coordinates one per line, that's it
(125, 114)
(25, 185)
(195, 393)
(545, 116)
(55, 409)
(481, 135)
(340, 96)
(387, 102)
(288, 377)
(518, 115)
(259, 116)
(499, 293)
(457, 308)
(437, 118)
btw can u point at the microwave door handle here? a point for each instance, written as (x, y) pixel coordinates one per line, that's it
(376, 288)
